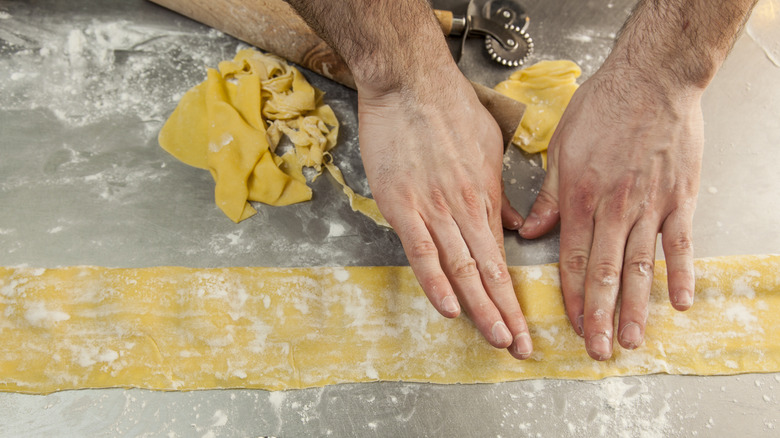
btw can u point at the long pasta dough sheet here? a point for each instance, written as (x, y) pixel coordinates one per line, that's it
(174, 328)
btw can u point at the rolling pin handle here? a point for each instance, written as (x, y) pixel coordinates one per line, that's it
(450, 24)
(445, 20)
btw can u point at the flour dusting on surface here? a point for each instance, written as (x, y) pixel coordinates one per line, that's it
(85, 72)
(220, 418)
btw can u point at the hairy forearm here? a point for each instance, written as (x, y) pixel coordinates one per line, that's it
(682, 42)
(385, 43)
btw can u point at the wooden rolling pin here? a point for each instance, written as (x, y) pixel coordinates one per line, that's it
(274, 26)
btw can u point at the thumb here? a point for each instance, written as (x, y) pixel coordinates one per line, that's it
(510, 218)
(545, 212)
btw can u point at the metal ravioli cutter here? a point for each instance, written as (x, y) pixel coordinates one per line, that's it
(503, 23)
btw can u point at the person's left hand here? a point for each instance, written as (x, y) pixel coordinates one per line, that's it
(624, 164)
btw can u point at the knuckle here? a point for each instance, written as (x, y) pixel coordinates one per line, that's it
(620, 196)
(577, 262)
(602, 317)
(650, 198)
(464, 267)
(496, 272)
(439, 200)
(582, 201)
(606, 274)
(681, 243)
(641, 264)
(473, 203)
(422, 249)
(494, 195)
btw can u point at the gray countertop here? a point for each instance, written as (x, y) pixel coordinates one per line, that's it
(84, 89)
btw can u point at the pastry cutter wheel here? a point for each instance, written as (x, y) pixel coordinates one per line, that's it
(503, 23)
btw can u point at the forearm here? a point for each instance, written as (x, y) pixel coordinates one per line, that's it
(387, 44)
(681, 43)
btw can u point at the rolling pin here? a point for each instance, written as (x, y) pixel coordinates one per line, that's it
(274, 26)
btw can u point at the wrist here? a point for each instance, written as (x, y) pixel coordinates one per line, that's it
(411, 62)
(645, 77)
(422, 83)
(680, 43)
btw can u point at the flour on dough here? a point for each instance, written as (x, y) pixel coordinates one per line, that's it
(172, 328)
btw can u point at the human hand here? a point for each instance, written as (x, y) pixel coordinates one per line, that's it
(624, 164)
(433, 159)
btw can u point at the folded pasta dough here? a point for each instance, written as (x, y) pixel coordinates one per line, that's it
(173, 328)
(546, 89)
(232, 123)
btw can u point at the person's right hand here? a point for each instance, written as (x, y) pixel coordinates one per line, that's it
(433, 158)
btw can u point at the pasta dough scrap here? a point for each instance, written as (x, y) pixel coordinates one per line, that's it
(546, 89)
(232, 123)
(174, 328)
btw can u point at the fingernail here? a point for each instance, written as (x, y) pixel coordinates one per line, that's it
(531, 222)
(630, 336)
(599, 347)
(684, 299)
(523, 345)
(449, 304)
(501, 334)
(580, 330)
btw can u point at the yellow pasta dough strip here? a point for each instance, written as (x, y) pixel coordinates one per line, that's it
(173, 328)
(366, 206)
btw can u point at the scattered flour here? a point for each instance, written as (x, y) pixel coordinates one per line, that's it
(336, 230)
(534, 273)
(582, 38)
(220, 418)
(276, 399)
(341, 275)
(39, 316)
(371, 372)
(736, 312)
(741, 286)
(88, 356)
(85, 71)
(626, 409)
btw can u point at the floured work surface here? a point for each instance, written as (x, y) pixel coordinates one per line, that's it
(172, 328)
